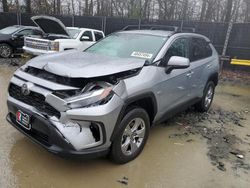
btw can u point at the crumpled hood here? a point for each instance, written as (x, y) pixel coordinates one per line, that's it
(77, 64)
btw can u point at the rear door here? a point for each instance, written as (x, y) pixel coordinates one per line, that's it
(173, 89)
(200, 59)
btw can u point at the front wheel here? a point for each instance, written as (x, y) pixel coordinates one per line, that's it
(132, 136)
(5, 50)
(207, 98)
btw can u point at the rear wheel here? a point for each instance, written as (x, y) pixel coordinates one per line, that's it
(207, 98)
(132, 136)
(5, 50)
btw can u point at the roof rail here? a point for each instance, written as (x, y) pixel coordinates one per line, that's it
(159, 27)
(150, 27)
(187, 29)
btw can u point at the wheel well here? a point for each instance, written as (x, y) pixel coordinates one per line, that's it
(6, 43)
(145, 103)
(215, 78)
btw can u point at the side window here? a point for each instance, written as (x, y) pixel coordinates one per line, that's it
(208, 50)
(37, 32)
(25, 32)
(200, 49)
(98, 35)
(178, 48)
(87, 36)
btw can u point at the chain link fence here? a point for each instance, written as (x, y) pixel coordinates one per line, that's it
(238, 47)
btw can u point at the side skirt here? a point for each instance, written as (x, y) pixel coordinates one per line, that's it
(170, 113)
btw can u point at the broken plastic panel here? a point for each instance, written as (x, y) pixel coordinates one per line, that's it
(80, 135)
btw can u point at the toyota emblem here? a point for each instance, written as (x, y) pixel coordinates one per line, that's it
(25, 90)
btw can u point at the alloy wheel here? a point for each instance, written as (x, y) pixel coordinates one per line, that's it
(5, 51)
(133, 136)
(209, 96)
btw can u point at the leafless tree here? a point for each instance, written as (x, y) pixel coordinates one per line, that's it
(28, 6)
(58, 6)
(202, 10)
(5, 6)
(229, 10)
(247, 10)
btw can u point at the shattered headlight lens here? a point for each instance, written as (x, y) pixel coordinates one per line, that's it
(90, 98)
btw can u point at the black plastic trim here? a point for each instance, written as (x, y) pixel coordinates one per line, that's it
(129, 101)
(170, 113)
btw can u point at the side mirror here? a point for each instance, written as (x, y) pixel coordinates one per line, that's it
(85, 38)
(176, 62)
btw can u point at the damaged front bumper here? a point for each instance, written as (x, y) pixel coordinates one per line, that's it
(55, 143)
(81, 132)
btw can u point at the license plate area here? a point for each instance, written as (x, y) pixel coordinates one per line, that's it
(23, 119)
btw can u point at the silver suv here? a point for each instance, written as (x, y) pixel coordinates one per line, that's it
(104, 100)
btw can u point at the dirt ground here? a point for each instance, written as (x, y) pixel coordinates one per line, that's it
(190, 150)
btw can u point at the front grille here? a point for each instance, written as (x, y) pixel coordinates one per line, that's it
(34, 99)
(36, 44)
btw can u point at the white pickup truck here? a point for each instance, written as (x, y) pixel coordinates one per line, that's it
(57, 37)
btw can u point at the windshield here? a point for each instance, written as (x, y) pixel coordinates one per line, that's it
(73, 32)
(9, 30)
(129, 45)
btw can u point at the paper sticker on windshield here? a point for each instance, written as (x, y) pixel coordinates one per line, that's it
(142, 55)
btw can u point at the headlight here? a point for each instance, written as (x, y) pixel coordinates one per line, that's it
(90, 98)
(54, 46)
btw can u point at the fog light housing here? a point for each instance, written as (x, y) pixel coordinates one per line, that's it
(95, 129)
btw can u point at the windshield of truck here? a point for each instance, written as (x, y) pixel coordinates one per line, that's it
(129, 45)
(74, 33)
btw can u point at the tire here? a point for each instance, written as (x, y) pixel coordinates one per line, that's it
(132, 136)
(207, 99)
(5, 50)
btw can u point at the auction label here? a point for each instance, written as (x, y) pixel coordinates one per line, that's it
(142, 55)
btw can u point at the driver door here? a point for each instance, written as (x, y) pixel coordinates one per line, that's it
(174, 86)
(86, 40)
(19, 37)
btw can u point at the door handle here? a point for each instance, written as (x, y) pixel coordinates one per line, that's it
(209, 65)
(189, 74)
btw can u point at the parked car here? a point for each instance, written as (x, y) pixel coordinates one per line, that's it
(57, 37)
(12, 39)
(105, 99)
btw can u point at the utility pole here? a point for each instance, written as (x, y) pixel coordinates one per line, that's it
(229, 30)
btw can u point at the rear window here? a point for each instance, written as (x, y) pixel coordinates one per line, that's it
(200, 49)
